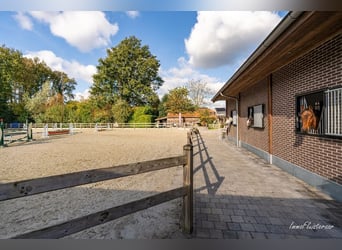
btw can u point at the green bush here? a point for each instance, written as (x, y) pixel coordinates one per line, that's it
(141, 115)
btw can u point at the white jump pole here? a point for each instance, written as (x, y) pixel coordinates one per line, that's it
(71, 129)
(45, 131)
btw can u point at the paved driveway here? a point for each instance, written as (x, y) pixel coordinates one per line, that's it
(238, 195)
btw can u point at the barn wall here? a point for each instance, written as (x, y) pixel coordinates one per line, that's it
(319, 69)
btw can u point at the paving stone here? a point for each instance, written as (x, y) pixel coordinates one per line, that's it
(249, 219)
(207, 224)
(261, 228)
(275, 221)
(262, 220)
(247, 227)
(256, 235)
(206, 210)
(263, 212)
(201, 204)
(275, 229)
(216, 234)
(201, 215)
(242, 206)
(220, 205)
(224, 200)
(274, 213)
(228, 211)
(203, 233)
(221, 225)
(230, 235)
(225, 218)
(217, 211)
(244, 235)
(252, 207)
(214, 217)
(211, 205)
(234, 226)
(250, 212)
(239, 212)
(236, 218)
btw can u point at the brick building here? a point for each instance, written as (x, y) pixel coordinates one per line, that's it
(297, 66)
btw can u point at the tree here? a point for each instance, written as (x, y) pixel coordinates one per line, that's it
(162, 106)
(23, 78)
(10, 61)
(62, 84)
(206, 118)
(178, 101)
(121, 111)
(129, 72)
(198, 91)
(37, 103)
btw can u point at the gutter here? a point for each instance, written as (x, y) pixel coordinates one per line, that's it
(273, 36)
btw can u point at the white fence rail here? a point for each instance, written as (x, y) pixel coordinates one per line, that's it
(105, 125)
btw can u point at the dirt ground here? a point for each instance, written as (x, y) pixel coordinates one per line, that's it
(88, 149)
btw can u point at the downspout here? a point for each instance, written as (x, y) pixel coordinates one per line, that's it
(237, 114)
(270, 118)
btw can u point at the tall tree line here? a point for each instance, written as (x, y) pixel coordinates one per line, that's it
(23, 78)
(123, 90)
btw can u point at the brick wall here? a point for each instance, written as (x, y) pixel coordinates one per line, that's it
(320, 68)
(255, 95)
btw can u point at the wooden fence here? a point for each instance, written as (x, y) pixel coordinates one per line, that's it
(46, 184)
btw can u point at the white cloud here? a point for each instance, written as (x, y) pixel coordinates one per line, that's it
(24, 21)
(179, 76)
(221, 38)
(84, 30)
(72, 68)
(132, 14)
(79, 96)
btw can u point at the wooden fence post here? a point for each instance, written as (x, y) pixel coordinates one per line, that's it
(189, 137)
(1, 132)
(188, 182)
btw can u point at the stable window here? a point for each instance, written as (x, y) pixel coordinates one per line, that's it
(320, 113)
(234, 116)
(256, 115)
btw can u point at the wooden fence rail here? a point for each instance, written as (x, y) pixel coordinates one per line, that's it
(46, 184)
(98, 218)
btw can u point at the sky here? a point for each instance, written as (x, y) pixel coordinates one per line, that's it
(207, 46)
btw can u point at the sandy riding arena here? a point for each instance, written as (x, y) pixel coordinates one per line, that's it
(85, 150)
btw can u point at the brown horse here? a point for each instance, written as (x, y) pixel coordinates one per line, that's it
(309, 119)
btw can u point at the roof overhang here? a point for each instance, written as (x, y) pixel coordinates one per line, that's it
(295, 35)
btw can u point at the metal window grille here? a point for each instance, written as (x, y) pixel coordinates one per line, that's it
(333, 112)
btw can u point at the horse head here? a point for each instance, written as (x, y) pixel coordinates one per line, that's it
(309, 119)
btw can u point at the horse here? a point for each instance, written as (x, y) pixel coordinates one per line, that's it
(228, 124)
(309, 119)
